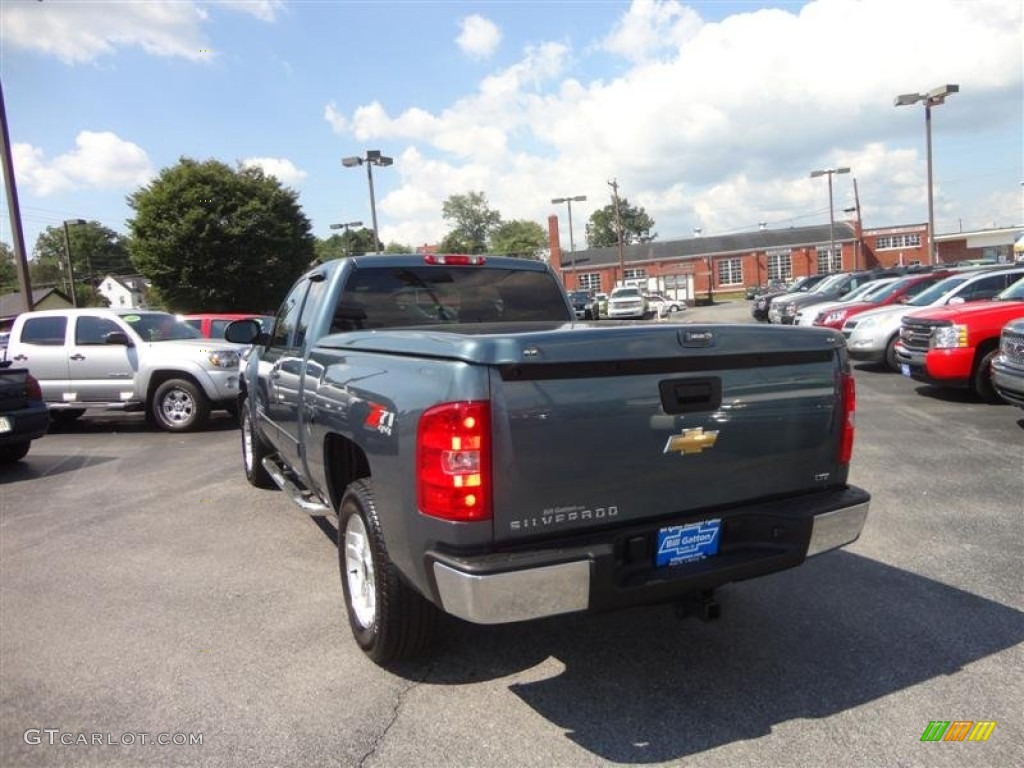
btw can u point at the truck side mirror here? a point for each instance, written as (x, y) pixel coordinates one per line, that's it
(243, 332)
(118, 337)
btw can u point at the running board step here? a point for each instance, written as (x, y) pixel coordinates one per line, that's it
(298, 495)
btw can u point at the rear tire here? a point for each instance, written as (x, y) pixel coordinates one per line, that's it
(390, 620)
(179, 406)
(981, 379)
(254, 450)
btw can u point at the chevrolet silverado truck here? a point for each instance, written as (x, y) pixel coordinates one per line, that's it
(1008, 365)
(490, 458)
(955, 346)
(126, 359)
(23, 415)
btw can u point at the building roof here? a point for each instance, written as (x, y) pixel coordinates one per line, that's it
(714, 245)
(12, 304)
(130, 282)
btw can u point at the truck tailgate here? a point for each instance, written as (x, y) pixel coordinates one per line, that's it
(657, 422)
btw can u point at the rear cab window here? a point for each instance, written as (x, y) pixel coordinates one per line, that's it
(44, 331)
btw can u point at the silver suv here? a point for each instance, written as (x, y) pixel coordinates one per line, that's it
(871, 336)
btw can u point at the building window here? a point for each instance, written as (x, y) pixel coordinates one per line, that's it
(590, 281)
(636, 274)
(889, 242)
(826, 264)
(730, 272)
(780, 265)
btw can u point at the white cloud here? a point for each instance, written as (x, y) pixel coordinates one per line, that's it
(478, 37)
(100, 160)
(336, 120)
(264, 10)
(281, 167)
(83, 31)
(715, 124)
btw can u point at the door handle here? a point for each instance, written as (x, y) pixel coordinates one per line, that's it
(78, 356)
(20, 357)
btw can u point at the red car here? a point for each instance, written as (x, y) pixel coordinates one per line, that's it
(212, 325)
(898, 293)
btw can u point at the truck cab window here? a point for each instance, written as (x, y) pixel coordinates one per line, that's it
(288, 316)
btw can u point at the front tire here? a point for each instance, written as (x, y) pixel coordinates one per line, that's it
(12, 453)
(981, 380)
(254, 450)
(890, 354)
(390, 620)
(179, 406)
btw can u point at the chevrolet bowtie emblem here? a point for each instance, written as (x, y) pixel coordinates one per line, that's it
(691, 441)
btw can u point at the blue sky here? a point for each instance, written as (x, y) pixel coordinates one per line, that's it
(708, 114)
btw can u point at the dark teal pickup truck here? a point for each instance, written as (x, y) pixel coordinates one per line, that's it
(489, 457)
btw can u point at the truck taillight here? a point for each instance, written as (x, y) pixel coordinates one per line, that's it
(455, 260)
(453, 460)
(849, 407)
(32, 389)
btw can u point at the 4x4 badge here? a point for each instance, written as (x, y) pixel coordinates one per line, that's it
(691, 441)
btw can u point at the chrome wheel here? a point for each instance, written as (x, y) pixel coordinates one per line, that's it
(359, 572)
(178, 407)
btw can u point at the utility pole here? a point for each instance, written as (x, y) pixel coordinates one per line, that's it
(614, 184)
(860, 226)
(20, 259)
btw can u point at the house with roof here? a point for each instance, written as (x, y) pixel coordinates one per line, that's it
(13, 304)
(123, 292)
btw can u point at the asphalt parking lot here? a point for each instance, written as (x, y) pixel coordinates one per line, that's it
(147, 591)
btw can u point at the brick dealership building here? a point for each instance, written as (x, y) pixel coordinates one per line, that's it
(698, 266)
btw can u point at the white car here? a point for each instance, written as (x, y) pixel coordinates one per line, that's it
(808, 315)
(663, 306)
(627, 303)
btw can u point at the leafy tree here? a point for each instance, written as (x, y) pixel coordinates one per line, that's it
(96, 251)
(472, 223)
(394, 247)
(350, 243)
(216, 239)
(636, 225)
(519, 238)
(8, 270)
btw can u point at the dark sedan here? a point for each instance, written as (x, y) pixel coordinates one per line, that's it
(23, 414)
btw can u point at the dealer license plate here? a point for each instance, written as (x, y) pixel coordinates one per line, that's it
(5, 424)
(905, 369)
(687, 543)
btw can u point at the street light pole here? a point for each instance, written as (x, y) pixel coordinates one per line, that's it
(67, 252)
(346, 226)
(373, 157)
(932, 98)
(572, 245)
(831, 214)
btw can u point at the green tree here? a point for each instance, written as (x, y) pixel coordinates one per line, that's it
(526, 239)
(96, 250)
(8, 270)
(636, 226)
(394, 247)
(350, 243)
(472, 223)
(217, 239)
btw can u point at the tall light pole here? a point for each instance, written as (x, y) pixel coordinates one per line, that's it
(831, 214)
(346, 226)
(933, 98)
(67, 252)
(572, 245)
(373, 157)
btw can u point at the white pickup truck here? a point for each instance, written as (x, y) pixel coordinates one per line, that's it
(126, 359)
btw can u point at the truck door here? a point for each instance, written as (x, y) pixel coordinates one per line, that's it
(285, 357)
(100, 372)
(40, 348)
